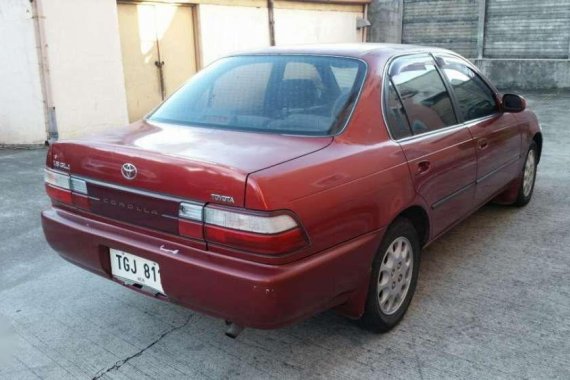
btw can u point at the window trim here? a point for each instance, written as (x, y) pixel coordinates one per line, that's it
(463, 124)
(450, 91)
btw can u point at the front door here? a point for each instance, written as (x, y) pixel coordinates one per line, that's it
(498, 142)
(496, 134)
(440, 151)
(158, 49)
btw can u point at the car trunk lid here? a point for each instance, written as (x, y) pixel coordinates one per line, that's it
(171, 164)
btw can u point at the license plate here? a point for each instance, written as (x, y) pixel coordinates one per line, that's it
(132, 268)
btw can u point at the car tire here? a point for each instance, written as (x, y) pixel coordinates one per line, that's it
(394, 276)
(528, 176)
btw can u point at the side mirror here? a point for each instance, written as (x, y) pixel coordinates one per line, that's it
(513, 103)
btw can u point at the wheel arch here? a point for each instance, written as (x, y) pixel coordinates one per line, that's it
(537, 138)
(420, 220)
(417, 215)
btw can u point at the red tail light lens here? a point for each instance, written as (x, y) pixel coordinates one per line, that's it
(63, 188)
(59, 194)
(255, 232)
(281, 243)
(263, 233)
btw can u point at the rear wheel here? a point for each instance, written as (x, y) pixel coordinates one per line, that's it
(528, 176)
(394, 276)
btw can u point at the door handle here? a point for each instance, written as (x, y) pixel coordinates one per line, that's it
(423, 167)
(482, 143)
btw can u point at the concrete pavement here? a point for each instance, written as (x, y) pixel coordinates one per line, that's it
(493, 301)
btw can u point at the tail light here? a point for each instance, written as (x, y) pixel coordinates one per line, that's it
(63, 188)
(267, 233)
(190, 220)
(256, 232)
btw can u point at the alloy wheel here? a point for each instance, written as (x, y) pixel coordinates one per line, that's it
(529, 171)
(395, 275)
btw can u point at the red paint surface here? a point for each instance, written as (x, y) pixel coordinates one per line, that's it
(344, 191)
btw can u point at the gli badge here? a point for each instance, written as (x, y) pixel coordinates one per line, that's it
(129, 171)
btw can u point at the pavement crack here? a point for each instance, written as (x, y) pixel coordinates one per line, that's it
(122, 362)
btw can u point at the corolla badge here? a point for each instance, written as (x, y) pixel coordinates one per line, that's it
(129, 171)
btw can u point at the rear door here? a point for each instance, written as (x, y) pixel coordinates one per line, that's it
(439, 150)
(496, 134)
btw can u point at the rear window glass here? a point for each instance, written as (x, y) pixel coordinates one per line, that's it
(306, 95)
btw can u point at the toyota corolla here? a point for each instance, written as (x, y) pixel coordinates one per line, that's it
(281, 183)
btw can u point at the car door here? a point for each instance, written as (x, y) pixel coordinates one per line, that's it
(440, 151)
(496, 134)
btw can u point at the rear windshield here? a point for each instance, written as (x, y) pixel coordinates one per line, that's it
(289, 94)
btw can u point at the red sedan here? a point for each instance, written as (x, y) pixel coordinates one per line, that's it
(281, 183)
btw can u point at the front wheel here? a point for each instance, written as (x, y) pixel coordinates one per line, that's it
(528, 177)
(394, 275)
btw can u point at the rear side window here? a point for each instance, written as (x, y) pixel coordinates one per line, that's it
(424, 96)
(395, 114)
(297, 94)
(474, 97)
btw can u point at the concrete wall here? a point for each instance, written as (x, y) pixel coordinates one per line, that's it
(521, 44)
(22, 117)
(527, 29)
(386, 18)
(527, 74)
(85, 65)
(443, 23)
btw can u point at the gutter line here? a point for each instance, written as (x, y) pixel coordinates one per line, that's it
(271, 19)
(45, 78)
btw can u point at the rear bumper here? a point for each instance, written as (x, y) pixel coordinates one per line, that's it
(247, 293)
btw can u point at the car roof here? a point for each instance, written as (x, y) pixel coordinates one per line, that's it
(355, 50)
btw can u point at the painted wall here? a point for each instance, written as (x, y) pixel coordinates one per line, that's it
(22, 119)
(85, 64)
(302, 26)
(226, 29)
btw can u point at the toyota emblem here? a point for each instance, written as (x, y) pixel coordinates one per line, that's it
(129, 171)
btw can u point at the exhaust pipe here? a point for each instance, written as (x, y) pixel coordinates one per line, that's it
(233, 329)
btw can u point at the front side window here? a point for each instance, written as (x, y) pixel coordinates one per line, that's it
(474, 97)
(296, 94)
(425, 99)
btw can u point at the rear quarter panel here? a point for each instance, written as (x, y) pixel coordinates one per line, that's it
(356, 185)
(338, 193)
